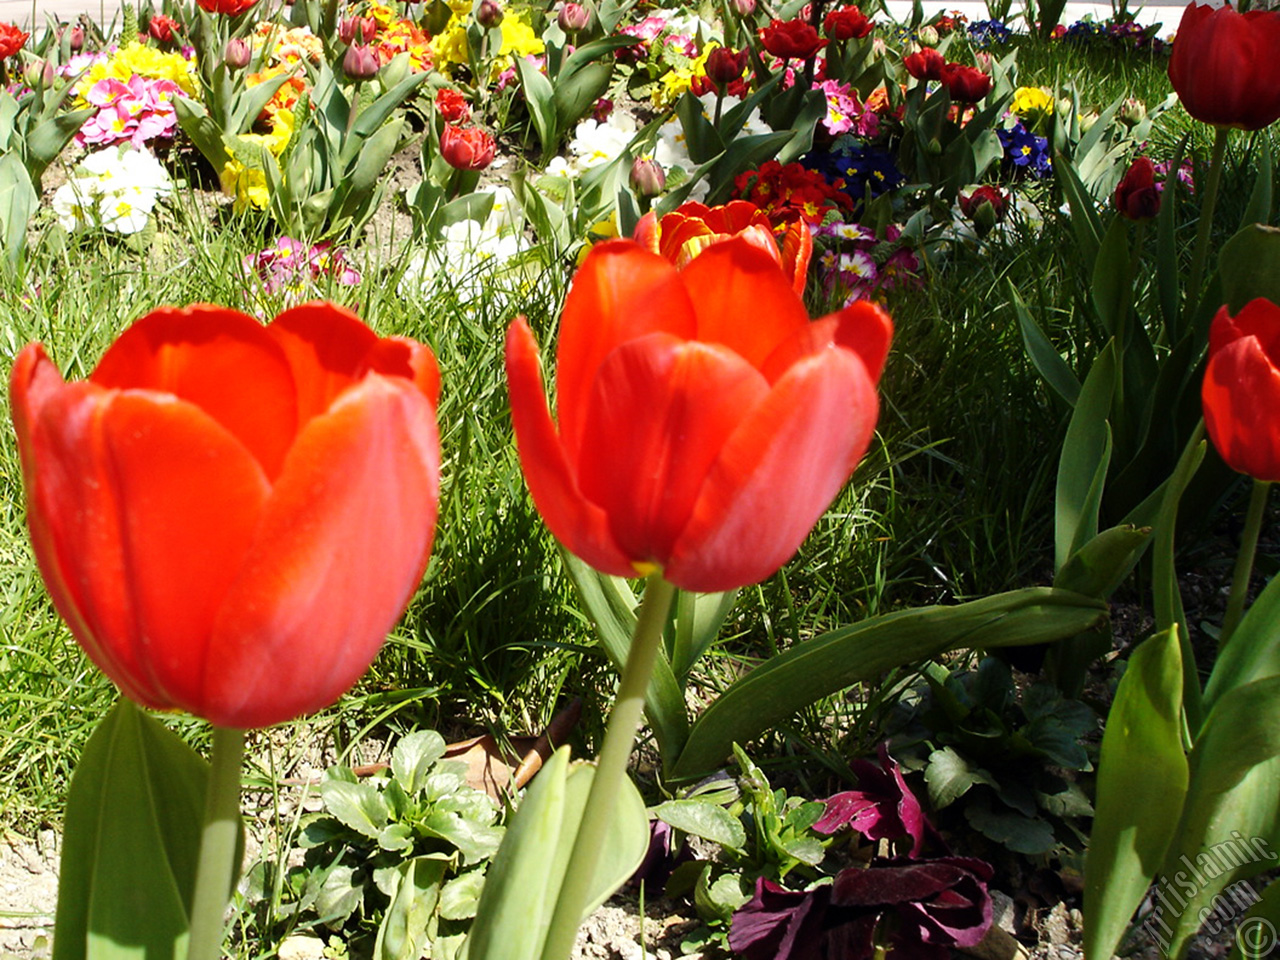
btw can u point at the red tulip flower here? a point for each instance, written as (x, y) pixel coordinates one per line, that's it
(452, 106)
(847, 24)
(1137, 196)
(965, 84)
(693, 227)
(1225, 66)
(1241, 391)
(704, 423)
(11, 40)
(927, 64)
(163, 29)
(466, 148)
(230, 8)
(230, 517)
(791, 39)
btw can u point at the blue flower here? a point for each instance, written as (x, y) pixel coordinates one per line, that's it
(1024, 151)
(985, 32)
(860, 169)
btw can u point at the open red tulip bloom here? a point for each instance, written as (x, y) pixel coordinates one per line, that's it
(1225, 66)
(230, 517)
(705, 423)
(1241, 391)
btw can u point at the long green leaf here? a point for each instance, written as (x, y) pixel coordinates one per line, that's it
(1258, 209)
(828, 663)
(1111, 281)
(1048, 362)
(1256, 935)
(131, 843)
(1142, 781)
(1168, 274)
(1086, 454)
(1084, 214)
(1254, 651)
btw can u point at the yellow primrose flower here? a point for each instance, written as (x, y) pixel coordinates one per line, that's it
(383, 14)
(670, 87)
(247, 185)
(136, 59)
(450, 46)
(518, 38)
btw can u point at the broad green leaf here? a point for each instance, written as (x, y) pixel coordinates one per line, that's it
(402, 934)
(461, 895)
(1099, 567)
(414, 756)
(131, 843)
(699, 617)
(1255, 937)
(949, 777)
(1048, 362)
(1009, 828)
(358, 806)
(710, 821)
(828, 663)
(1254, 650)
(1249, 266)
(1086, 454)
(1112, 286)
(1142, 779)
(540, 98)
(1258, 209)
(1234, 792)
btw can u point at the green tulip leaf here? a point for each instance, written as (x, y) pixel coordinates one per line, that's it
(1254, 650)
(1142, 780)
(1256, 935)
(1048, 362)
(828, 663)
(1249, 266)
(415, 894)
(131, 843)
(1086, 455)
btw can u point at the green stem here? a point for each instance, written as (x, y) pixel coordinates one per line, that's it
(1205, 228)
(216, 871)
(611, 768)
(1244, 561)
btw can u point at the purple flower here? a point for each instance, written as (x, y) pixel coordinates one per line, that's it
(1024, 151)
(778, 924)
(883, 808)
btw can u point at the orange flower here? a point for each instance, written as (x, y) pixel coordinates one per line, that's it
(693, 227)
(704, 423)
(11, 40)
(230, 517)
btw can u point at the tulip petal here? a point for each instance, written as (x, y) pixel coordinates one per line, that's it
(576, 522)
(220, 360)
(1241, 394)
(743, 299)
(786, 462)
(343, 543)
(621, 292)
(661, 411)
(861, 327)
(191, 498)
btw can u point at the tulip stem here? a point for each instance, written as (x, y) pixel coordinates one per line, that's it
(1205, 228)
(216, 871)
(611, 767)
(1244, 561)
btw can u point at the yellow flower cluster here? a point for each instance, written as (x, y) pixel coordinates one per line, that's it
(518, 40)
(1033, 106)
(134, 59)
(243, 177)
(676, 82)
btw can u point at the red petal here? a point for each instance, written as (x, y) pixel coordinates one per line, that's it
(344, 540)
(620, 293)
(1241, 394)
(660, 413)
(743, 299)
(577, 523)
(862, 328)
(327, 347)
(777, 474)
(220, 360)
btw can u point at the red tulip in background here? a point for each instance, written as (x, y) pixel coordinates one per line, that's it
(230, 517)
(1225, 66)
(1137, 196)
(965, 84)
(692, 227)
(452, 106)
(466, 148)
(163, 29)
(847, 24)
(791, 39)
(1241, 392)
(704, 423)
(926, 64)
(230, 8)
(11, 40)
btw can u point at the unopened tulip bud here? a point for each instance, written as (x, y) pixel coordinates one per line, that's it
(237, 53)
(38, 73)
(928, 36)
(360, 62)
(76, 34)
(744, 8)
(647, 177)
(724, 66)
(489, 14)
(573, 17)
(357, 30)
(1087, 120)
(1132, 112)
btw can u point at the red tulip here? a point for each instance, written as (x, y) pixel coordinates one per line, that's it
(693, 227)
(230, 517)
(11, 40)
(791, 39)
(705, 423)
(1137, 196)
(926, 64)
(1241, 392)
(230, 8)
(466, 148)
(452, 106)
(847, 24)
(724, 66)
(965, 84)
(163, 28)
(1225, 66)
